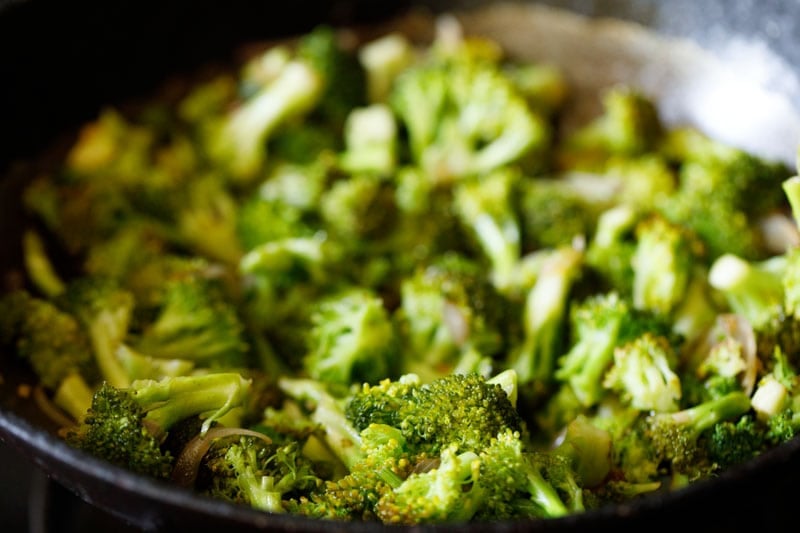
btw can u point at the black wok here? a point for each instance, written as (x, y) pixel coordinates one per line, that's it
(61, 61)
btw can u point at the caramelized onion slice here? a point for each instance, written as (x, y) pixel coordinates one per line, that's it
(184, 473)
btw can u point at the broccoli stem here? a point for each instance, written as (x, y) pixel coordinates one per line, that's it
(543, 494)
(170, 400)
(703, 416)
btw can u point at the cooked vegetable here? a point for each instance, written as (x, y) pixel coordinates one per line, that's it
(376, 281)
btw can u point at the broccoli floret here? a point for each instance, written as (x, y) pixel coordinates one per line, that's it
(743, 180)
(485, 207)
(384, 464)
(450, 318)
(240, 144)
(55, 346)
(206, 220)
(723, 191)
(359, 210)
(644, 373)
(546, 307)
(553, 214)
(629, 126)
(279, 279)
(464, 117)
(197, 323)
(439, 495)
(735, 442)
(252, 471)
(662, 265)
(515, 483)
(612, 247)
(126, 426)
(52, 341)
(675, 435)
(599, 324)
(104, 309)
(544, 86)
(351, 339)
(342, 77)
(462, 410)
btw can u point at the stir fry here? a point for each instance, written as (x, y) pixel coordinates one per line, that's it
(379, 281)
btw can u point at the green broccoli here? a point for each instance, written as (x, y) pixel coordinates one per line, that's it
(752, 289)
(644, 372)
(485, 206)
(195, 322)
(534, 358)
(553, 214)
(599, 325)
(722, 192)
(370, 135)
(104, 309)
(351, 339)
(251, 471)
(675, 436)
(661, 264)
(126, 426)
(240, 145)
(462, 410)
(629, 126)
(612, 247)
(464, 118)
(450, 318)
(342, 78)
(55, 346)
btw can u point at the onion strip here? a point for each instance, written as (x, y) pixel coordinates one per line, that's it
(187, 465)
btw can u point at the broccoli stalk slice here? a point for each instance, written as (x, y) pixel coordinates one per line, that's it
(545, 308)
(383, 60)
(753, 290)
(370, 140)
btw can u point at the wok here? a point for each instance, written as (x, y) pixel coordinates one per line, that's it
(729, 67)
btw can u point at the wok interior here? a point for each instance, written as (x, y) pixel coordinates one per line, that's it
(690, 84)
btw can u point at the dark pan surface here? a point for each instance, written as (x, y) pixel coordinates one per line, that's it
(60, 61)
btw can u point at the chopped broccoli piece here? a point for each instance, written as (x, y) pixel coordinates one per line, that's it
(351, 339)
(126, 426)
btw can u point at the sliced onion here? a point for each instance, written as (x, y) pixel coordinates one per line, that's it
(187, 465)
(456, 322)
(51, 410)
(780, 232)
(739, 328)
(729, 326)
